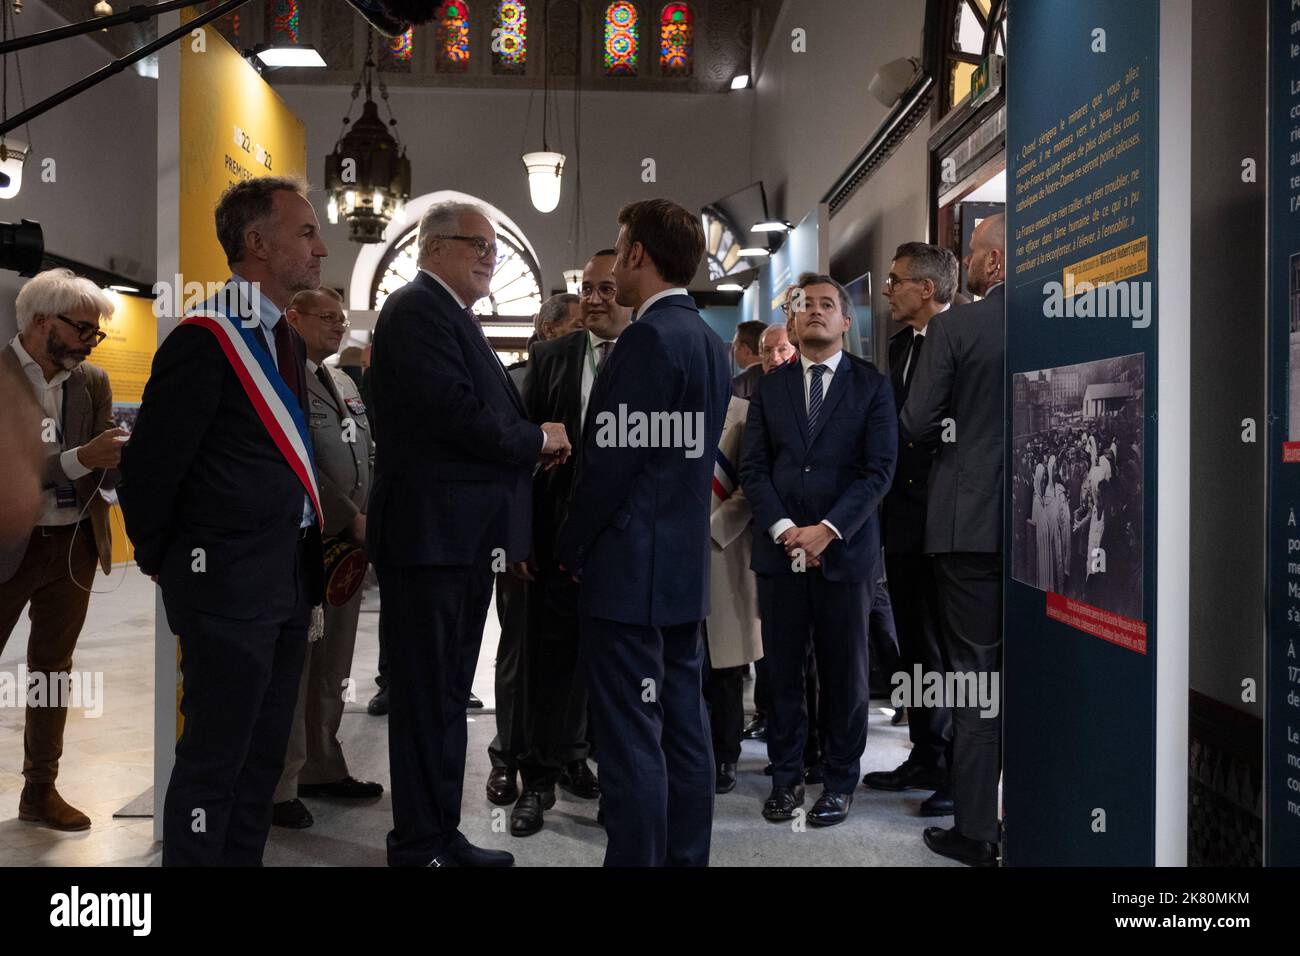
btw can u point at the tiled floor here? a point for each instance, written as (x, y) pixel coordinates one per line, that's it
(108, 761)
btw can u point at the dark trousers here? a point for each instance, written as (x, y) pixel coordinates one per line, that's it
(656, 761)
(437, 616)
(724, 694)
(512, 613)
(57, 612)
(381, 678)
(970, 596)
(556, 689)
(920, 641)
(799, 610)
(239, 689)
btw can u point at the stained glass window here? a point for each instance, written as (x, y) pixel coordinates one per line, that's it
(510, 37)
(676, 39)
(621, 34)
(284, 21)
(399, 47)
(722, 251)
(453, 37)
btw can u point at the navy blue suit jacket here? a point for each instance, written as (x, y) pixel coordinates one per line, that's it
(638, 523)
(841, 475)
(453, 473)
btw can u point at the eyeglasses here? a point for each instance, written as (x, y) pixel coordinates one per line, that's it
(329, 318)
(892, 280)
(604, 291)
(481, 246)
(85, 331)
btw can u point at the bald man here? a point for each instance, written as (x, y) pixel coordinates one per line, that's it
(960, 377)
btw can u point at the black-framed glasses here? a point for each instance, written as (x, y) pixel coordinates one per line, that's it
(481, 246)
(337, 319)
(892, 280)
(85, 331)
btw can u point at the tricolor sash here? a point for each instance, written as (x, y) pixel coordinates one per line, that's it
(274, 403)
(724, 477)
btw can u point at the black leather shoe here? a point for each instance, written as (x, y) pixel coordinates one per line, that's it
(953, 845)
(813, 774)
(378, 705)
(501, 788)
(909, 775)
(474, 703)
(756, 729)
(782, 803)
(938, 804)
(349, 788)
(726, 780)
(578, 780)
(900, 716)
(292, 814)
(467, 854)
(526, 817)
(830, 809)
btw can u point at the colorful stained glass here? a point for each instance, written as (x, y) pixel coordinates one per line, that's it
(284, 22)
(621, 32)
(510, 37)
(453, 37)
(400, 47)
(676, 39)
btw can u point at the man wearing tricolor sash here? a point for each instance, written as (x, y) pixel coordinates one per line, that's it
(221, 502)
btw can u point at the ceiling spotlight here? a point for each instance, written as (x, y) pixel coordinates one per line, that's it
(124, 288)
(293, 54)
(771, 225)
(740, 82)
(754, 252)
(893, 79)
(731, 287)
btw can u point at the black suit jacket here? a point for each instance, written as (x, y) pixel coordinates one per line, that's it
(742, 386)
(840, 475)
(201, 471)
(454, 467)
(962, 377)
(553, 393)
(903, 512)
(640, 532)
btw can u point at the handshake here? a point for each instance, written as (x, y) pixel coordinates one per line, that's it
(557, 448)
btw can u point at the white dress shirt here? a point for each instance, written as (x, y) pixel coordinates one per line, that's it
(50, 395)
(832, 363)
(921, 333)
(588, 374)
(644, 307)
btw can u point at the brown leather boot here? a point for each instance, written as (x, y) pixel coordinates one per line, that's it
(41, 803)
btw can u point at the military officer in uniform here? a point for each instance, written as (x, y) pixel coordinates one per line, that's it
(343, 452)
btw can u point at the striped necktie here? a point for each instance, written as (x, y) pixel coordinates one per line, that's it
(815, 396)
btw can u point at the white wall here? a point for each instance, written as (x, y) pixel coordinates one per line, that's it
(472, 140)
(100, 208)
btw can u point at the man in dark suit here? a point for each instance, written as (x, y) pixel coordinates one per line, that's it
(957, 399)
(220, 501)
(49, 569)
(639, 543)
(820, 446)
(921, 283)
(745, 348)
(450, 506)
(561, 375)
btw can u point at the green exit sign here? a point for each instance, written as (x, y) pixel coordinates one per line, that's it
(986, 81)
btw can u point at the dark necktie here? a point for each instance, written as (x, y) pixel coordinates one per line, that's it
(323, 374)
(604, 349)
(815, 396)
(914, 356)
(286, 357)
(478, 324)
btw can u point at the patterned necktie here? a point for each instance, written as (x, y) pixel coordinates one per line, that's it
(286, 357)
(603, 348)
(815, 396)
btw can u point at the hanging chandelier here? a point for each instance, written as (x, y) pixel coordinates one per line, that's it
(545, 168)
(367, 177)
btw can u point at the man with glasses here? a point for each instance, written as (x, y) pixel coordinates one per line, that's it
(53, 568)
(921, 284)
(343, 451)
(451, 504)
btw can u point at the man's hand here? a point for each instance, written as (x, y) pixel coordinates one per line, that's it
(812, 539)
(104, 450)
(357, 530)
(522, 571)
(557, 448)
